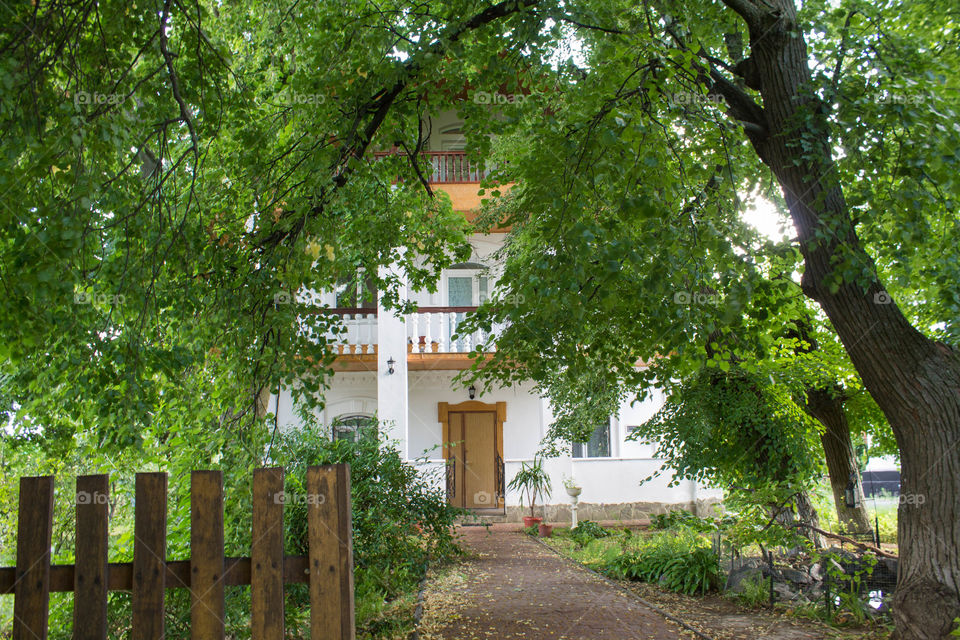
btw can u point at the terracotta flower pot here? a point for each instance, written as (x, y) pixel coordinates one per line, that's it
(545, 530)
(531, 522)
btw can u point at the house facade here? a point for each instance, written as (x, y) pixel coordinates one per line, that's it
(401, 369)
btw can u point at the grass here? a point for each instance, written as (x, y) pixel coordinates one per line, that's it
(879, 510)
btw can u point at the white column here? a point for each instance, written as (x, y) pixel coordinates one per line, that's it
(392, 398)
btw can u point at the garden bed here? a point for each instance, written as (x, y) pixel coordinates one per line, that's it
(667, 569)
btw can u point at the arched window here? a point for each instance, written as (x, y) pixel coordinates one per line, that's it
(353, 427)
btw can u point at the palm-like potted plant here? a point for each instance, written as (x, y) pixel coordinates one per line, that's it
(532, 482)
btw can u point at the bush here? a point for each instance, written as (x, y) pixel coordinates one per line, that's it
(756, 591)
(399, 519)
(587, 530)
(676, 562)
(680, 519)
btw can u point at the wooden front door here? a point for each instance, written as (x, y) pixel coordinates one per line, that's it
(473, 448)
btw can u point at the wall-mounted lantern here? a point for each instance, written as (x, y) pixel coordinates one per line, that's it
(472, 390)
(390, 364)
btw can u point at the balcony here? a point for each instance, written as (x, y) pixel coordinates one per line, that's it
(360, 335)
(432, 330)
(435, 330)
(447, 167)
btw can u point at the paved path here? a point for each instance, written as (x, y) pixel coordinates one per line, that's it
(515, 588)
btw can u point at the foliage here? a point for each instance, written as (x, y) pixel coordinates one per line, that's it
(533, 481)
(733, 428)
(400, 520)
(682, 519)
(846, 584)
(183, 191)
(681, 563)
(755, 591)
(587, 530)
(532, 530)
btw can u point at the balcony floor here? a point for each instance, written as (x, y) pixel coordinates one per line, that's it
(415, 362)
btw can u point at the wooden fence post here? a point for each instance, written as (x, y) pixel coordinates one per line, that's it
(266, 556)
(206, 556)
(331, 552)
(90, 580)
(34, 533)
(149, 556)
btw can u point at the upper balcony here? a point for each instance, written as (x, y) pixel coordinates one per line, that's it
(430, 330)
(433, 339)
(447, 167)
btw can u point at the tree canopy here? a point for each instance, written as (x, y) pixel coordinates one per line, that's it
(176, 178)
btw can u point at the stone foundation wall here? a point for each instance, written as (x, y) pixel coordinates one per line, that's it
(560, 513)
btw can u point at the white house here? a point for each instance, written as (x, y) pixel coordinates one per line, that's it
(401, 370)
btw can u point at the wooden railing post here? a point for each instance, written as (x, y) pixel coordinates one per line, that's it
(331, 552)
(34, 533)
(206, 556)
(149, 556)
(90, 580)
(266, 556)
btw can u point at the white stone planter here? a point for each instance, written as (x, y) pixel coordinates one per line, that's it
(573, 492)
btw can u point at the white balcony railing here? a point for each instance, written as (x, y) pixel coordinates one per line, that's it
(431, 330)
(359, 333)
(447, 167)
(437, 330)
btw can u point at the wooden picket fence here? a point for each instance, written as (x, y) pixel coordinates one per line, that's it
(328, 569)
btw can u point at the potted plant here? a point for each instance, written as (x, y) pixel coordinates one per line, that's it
(571, 486)
(531, 481)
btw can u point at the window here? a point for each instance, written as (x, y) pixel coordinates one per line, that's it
(467, 285)
(357, 292)
(354, 427)
(598, 446)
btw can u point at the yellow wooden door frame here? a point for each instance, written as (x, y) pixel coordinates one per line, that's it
(499, 410)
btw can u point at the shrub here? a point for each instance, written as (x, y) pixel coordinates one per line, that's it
(399, 519)
(676, 562)
(680, 519)
(591, 528)
(587, 530)
(756, 591)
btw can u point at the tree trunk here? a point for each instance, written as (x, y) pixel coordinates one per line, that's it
(914, 380)
(827, 407)
(801, 510)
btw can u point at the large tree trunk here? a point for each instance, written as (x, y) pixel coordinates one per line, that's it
(914, 380)
(827, 407)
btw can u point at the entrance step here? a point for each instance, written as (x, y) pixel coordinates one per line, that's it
(482, 517)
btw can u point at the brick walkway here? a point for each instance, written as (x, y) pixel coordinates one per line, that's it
(515, 588)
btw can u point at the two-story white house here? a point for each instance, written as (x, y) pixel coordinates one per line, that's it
(400, 369)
